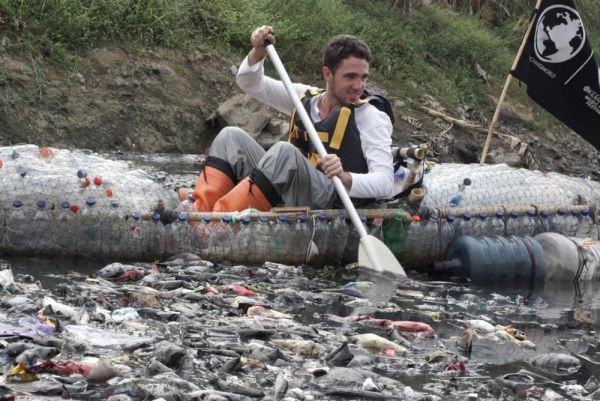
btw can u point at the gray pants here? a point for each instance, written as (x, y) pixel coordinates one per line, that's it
(293, 177)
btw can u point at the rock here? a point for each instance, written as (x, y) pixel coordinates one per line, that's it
(506, 156)
(244, 112)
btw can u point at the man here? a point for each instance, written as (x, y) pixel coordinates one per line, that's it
(240, 174)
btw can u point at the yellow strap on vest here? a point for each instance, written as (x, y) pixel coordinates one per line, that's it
(313, 158)
(340, 128)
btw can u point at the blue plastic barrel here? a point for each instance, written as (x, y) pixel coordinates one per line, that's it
(490, 259)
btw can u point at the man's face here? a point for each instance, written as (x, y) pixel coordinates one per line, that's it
(349, 80)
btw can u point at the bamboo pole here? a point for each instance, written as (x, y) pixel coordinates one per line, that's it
(506, 85)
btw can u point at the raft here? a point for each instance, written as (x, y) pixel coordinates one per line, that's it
(81, 204)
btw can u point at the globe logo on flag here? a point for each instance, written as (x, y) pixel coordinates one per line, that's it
(559, 34)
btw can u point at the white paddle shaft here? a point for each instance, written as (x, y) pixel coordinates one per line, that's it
(316, 141)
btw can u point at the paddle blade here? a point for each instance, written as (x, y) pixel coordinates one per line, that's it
(374, 254)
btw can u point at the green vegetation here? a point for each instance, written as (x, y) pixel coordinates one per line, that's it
(418, 49)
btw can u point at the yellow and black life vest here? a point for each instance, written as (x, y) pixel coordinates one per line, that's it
(338, 133)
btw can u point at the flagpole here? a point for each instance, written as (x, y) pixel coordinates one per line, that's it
(506, 85)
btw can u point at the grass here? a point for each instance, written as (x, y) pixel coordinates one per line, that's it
(432, 50)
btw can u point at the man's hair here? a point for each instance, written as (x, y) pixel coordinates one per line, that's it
(341, 47)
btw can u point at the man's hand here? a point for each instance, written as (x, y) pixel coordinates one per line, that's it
(331, 166)
(259, 38)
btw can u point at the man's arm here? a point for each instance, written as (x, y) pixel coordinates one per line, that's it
(376, 138)
(252, 80)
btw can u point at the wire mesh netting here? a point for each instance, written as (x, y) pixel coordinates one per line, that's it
(497, 200)
(63, 202)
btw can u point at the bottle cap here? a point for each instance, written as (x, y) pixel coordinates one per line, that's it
(114, 203)
(183, 216)
(466, 216)
(226, 219)
(246, 220)
(302, 217)
(156, 217)
(482, 215)
(17, 204)
(450, 219)
(97, 180)
(455, 200)
(585, 211)
(282, 218)
(81, 173)
(574, 212)
(65, 205)
(560, 211)
(531, 212)
(135, 215)
(90, 201)
(467, 182)
(263, 219)
(499, 214)
(514, 214)
(415, 218)
(206, 218)
(544, 213)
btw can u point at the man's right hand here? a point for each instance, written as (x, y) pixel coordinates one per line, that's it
(259, 38)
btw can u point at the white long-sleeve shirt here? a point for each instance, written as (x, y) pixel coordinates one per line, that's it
(374, 126)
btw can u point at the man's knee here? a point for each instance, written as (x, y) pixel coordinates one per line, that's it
(283, 150)
(229, 135)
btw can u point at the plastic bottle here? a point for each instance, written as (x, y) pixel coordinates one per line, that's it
(337, 239)
(564, 258)
(113, 230)
(586, 228)
(448, 232)
(154, 236)
(351, 248)
(513, 224)
(394, 233)
(465, 226)
(40, 229)
(543, 223)
(529, 222)
(557, 221)
(3, 219)
(135, 237)
(495, 225)
(399, 177)
(489, 259)
(430, 230)
(221, 238)
(280, 240)
(571, 223)
(178, 235)
(16, 229)
(377, 228)
(462, 191)
(90, 242)
(243, 240)
(262, 230)
(320, 239)
(64, 230)
(302, 236)
(188, 204)
(413, 239)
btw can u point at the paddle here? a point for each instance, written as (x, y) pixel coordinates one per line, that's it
(372, 253)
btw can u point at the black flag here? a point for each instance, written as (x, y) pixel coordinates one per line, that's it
(560, 71)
